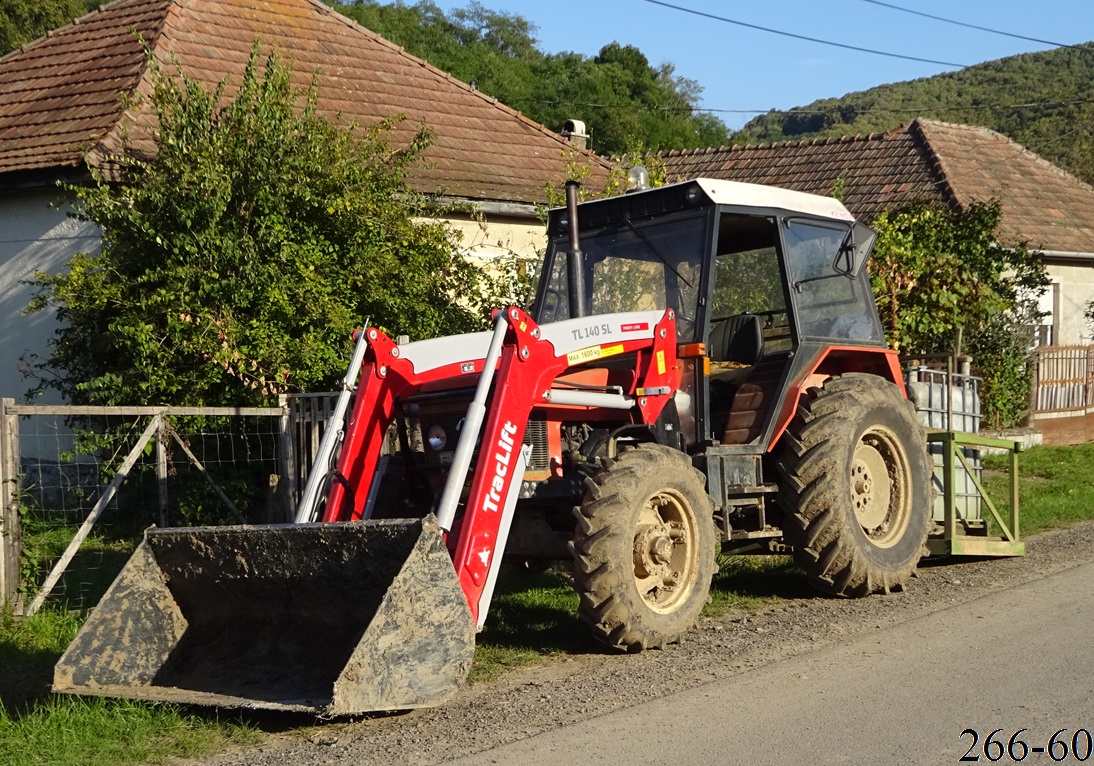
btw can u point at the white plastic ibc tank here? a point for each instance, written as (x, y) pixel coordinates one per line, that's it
(928, 389)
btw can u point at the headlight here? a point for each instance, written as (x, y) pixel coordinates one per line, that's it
(436, 438)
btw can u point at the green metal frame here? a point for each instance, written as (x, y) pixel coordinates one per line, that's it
(954, 541)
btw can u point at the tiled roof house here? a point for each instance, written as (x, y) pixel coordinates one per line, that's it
(61, 113)
(955, 165)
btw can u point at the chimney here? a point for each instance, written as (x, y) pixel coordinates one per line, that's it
(574, 131)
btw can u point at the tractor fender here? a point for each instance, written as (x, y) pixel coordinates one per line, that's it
(832, 361)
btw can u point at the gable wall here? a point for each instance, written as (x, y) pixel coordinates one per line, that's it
(36, 233)
(1075, 288)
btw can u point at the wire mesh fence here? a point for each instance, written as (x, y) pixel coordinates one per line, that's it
(80, 485)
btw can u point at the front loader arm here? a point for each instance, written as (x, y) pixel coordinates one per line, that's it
(388, 373)
(530, 358)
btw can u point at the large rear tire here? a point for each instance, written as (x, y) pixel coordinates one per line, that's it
(644, 548)
(855, 487)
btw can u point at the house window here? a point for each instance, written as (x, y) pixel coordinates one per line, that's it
(1044, 332)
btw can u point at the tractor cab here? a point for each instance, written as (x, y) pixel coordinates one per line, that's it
(763, 281)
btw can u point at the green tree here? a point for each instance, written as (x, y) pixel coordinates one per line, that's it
(623, 100)
(940, 274)
(236, 261)
(22, 21)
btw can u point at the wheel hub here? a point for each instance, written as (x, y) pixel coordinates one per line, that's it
(663, 553)
(653, 550)
(870, 487)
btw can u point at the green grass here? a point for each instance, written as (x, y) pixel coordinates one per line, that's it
(533, 615)
(1055, 487)
(38, 728)
(77, 731)
(750, 582)
(41, 729)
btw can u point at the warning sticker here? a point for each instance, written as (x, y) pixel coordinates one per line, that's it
(593, 352)
(660, 362)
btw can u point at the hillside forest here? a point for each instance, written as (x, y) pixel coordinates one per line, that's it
(1041, 100)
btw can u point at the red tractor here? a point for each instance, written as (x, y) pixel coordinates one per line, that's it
(704, 366)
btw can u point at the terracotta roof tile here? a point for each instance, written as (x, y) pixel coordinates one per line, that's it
(1042, 204)
(925, 160)
(60, 96)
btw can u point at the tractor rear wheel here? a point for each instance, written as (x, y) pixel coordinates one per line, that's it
(855, 487)
(644, 548)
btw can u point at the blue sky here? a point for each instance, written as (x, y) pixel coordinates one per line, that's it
(746, 69)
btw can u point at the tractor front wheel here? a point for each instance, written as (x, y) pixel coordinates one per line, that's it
(855, 487)
(644, 548)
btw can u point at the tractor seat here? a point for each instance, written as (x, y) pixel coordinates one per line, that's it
(739, 339)
(743, 383)
(753, 397)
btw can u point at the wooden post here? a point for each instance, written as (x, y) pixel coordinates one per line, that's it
(11, 544)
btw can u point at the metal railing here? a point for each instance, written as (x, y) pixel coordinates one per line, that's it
(1063, 379)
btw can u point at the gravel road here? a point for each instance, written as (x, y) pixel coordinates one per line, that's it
(568, 689)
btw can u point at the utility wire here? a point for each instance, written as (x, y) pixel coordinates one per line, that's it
(857, 111)
(974, 26)
(803, 37)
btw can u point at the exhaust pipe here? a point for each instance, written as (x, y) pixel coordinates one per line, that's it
(575, 259)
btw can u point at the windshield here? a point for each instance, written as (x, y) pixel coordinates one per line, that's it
(654, 264)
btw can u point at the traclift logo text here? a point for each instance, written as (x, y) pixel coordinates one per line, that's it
(502, 456)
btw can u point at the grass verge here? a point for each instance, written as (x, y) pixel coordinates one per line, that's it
(1055, 487)
(40, 729)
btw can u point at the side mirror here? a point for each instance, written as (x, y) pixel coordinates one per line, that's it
(855, 249)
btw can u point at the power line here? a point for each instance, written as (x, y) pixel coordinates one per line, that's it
(856, 110)
(974, 26)
(917, 110)
(803, 37)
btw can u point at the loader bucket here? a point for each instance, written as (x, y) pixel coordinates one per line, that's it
(332, 619)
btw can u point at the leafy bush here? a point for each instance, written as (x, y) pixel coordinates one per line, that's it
(942, 281)
(238, 259)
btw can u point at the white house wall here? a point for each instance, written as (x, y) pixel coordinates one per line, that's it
(1076, 290)
(36, 234)
(501, 237)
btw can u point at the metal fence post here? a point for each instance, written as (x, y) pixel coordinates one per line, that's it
(161, 467)
(11, 547)
(286, 459)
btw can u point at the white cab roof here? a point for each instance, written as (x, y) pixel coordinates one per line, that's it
(757, 195)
